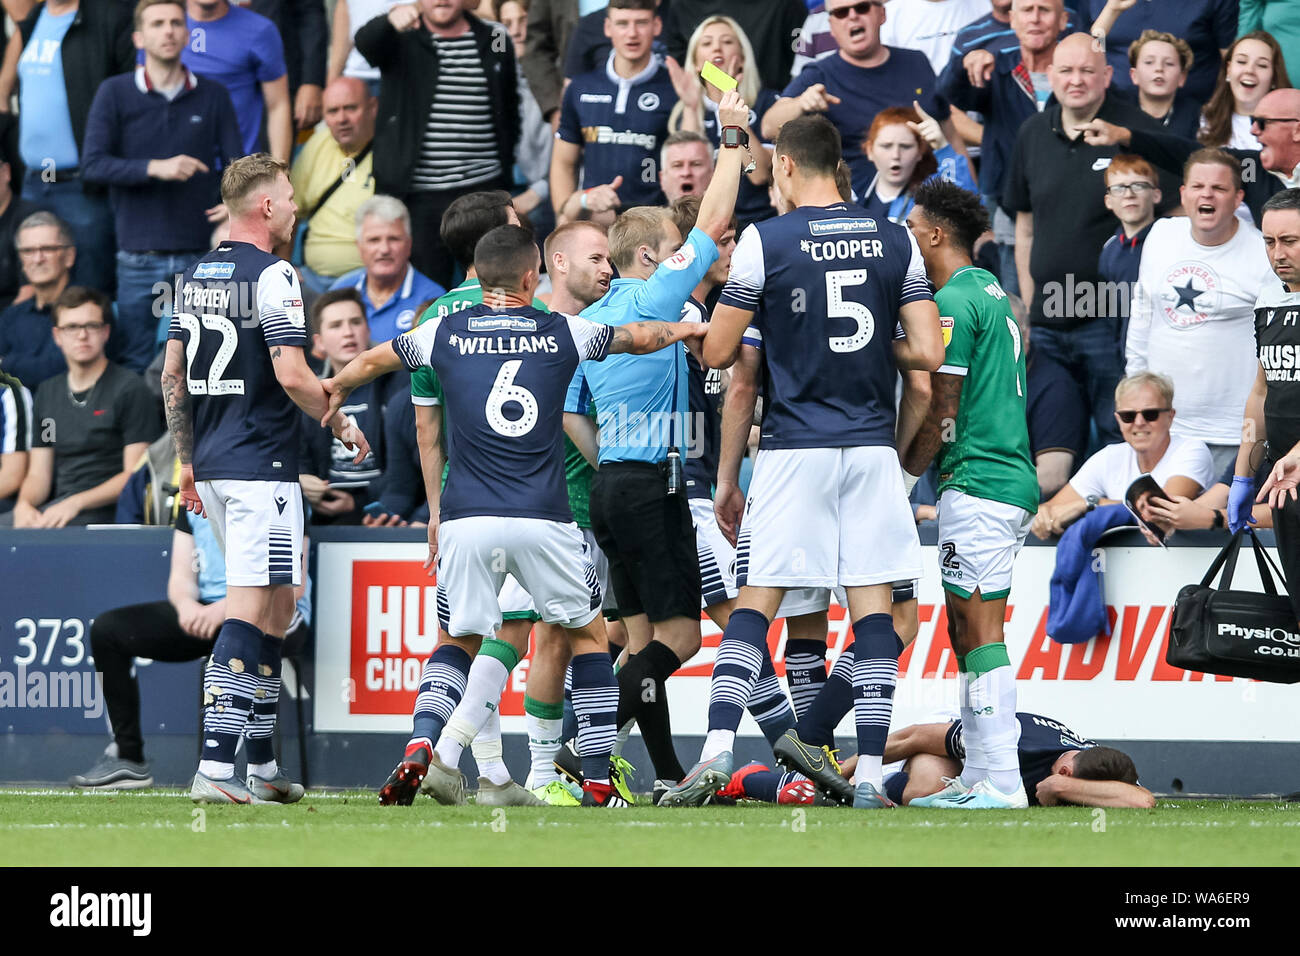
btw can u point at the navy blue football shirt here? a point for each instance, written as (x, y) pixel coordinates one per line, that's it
(1042, 741)
(704, 433)
(864, 92)
(825, 285)
(620, 125)
(504, 375)
(232, 307)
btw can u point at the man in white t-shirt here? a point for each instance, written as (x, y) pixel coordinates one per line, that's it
(1144, 409)
(1193, 304)
(930, 26)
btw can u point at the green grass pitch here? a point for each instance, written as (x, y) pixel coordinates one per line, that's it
(161, 827)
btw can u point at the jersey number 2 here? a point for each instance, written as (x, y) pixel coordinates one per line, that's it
(214, 384)
(505, 390)
(838, 307)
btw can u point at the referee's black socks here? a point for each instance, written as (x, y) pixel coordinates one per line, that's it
(643, 696)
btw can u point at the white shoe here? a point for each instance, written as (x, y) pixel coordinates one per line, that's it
(984, 796)
(954, 788)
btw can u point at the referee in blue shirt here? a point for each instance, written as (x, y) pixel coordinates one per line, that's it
(639, 510)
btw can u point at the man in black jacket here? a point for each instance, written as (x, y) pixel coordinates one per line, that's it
(93, 42)
(448, 114)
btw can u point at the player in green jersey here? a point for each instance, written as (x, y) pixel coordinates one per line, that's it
(988, 487)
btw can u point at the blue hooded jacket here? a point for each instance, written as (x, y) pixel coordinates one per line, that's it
(1076, 608)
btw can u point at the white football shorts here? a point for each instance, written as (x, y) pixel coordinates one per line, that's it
(821, 517)
(978, 543)
(717, 556)
(548, 558)
(258, 525)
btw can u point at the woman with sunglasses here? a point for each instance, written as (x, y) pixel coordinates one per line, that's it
(1144, 409)
(1253, 67)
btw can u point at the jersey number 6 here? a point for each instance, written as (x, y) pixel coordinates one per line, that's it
(838, 307)
(505, 390)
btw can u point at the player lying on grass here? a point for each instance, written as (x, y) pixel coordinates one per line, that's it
(1057, 766)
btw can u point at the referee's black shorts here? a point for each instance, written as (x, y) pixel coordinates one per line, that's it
(1286, 531)
(649, 539)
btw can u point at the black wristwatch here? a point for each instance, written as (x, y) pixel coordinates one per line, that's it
(1218, 519)
(1092, 501)
(734, 136)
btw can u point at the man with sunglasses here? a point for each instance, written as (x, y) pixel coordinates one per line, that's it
(1276, 124)
(1144, 410)
(1193, 304)
(861, 79)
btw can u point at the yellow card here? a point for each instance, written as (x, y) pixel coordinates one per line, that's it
(715, 76)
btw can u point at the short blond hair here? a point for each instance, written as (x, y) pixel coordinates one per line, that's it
(1161, 383)
(559, 236)
(639, 226)
(247, 174)
(1181, 47)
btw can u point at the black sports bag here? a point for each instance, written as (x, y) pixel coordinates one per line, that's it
(1238, 633)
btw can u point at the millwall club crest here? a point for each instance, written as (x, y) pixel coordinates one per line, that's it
(648, 102)
(1189, 294)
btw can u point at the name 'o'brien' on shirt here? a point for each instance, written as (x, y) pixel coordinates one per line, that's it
(825, 285)
(504, 375)
(232, 307)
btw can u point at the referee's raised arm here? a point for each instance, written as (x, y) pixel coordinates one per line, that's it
(718, 203)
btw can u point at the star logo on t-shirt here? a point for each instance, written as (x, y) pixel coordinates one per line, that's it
(1187, 296)
(1190, 294)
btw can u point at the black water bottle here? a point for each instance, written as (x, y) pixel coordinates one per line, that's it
(676, 477)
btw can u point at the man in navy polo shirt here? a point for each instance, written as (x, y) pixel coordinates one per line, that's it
(613, 121)
(859, 81)
(159, 138)
(390, 286)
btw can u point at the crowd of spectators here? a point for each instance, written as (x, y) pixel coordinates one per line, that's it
(1089, 127)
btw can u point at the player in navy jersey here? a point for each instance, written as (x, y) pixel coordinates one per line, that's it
(826, 285)
(767, 703)
(1057, 766)
(614, 119)
(233, 381)
(505, 368)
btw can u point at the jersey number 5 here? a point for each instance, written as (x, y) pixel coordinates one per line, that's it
(838, 307)
(505, 390)
(214, 384)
